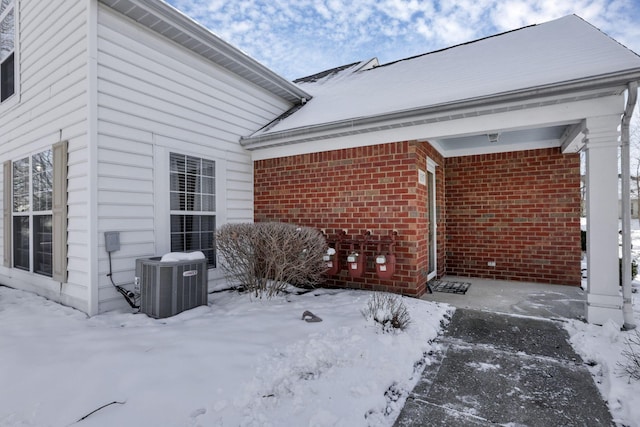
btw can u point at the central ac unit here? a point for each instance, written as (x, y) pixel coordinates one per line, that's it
(170, 287)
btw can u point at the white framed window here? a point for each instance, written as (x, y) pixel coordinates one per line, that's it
(7, 49)
(32, 207)
(193, 205)
(35, 213)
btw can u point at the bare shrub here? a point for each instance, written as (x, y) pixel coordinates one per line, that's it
(388, 311)
(631, 367)
(266, 257)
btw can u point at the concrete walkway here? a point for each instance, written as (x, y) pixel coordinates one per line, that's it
(501, 369)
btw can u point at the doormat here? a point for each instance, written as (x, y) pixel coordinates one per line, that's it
(450, 287)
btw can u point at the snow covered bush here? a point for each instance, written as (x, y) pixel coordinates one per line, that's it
(388, 311)
(631, 367)
(265, 257)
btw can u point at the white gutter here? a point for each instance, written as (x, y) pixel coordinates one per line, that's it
(627, 309)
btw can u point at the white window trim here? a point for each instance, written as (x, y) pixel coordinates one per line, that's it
(30, 214)
(433, 203)
(162, 190)
(15, 98)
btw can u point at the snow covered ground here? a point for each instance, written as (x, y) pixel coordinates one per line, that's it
(602, 347)
(236, 362)
(243, 362)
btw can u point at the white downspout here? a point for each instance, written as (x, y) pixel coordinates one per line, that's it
(627, 309)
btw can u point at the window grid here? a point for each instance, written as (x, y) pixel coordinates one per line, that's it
(32, 216)
(192, 205)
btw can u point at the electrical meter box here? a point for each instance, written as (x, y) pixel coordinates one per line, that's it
(168, 288)
(112, 241)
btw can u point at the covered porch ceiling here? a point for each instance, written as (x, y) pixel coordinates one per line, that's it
(564, 135)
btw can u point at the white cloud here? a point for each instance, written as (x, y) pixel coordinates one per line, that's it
(297, 38)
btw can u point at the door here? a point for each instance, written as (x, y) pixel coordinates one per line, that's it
(433, 225)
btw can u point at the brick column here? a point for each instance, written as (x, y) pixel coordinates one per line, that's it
(604, 301)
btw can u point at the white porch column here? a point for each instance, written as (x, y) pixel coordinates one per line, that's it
(604, 300)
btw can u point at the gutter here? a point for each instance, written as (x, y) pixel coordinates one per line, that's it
(627, 309)
(408, 117)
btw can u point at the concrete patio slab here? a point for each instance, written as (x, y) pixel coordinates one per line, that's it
(525, 298)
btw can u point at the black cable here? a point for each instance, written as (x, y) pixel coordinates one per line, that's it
(126, 294)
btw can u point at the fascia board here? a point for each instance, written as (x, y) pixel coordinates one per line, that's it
(463, 124)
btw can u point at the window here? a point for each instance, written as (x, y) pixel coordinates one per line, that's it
(7, 48)
(193, 205)
(32, 185)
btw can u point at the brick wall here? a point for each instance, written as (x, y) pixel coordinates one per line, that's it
(519, 209)
(358, 189)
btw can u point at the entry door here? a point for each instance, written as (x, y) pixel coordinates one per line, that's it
(433, 226)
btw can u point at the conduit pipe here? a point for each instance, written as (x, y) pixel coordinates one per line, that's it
(627, 309)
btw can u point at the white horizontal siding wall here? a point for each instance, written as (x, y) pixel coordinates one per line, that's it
(50, 106)
(154, 98)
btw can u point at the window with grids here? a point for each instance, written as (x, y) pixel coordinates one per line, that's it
(7, 48)
(32, 184)
(193, 205)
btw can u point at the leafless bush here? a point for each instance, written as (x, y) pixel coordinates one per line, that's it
(631, 367)
(388, 311)
(266, 257)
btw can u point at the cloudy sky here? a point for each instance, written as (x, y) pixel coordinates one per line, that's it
(297, 38)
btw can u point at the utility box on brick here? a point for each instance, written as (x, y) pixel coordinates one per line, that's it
(171, 287)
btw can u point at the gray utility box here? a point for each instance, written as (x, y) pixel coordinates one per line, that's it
(168, 288)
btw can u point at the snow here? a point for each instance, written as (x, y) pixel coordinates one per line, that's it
(236, 362)
(484, 367)
(601, 348)
(563, 50)
(246, 362)
(182, 256)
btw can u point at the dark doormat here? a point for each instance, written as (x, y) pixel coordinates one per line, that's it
(437, 285)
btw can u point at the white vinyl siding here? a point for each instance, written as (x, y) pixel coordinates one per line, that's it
(49, 106)
(155, 98)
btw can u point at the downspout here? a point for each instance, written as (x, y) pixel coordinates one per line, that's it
(627, 309)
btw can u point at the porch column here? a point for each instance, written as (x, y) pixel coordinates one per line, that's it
(604, 301)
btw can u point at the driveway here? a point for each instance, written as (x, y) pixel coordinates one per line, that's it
(503, 369)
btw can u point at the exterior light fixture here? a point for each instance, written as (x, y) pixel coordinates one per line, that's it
(493, 137)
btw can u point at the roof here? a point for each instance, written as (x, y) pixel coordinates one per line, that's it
(567, 52)
(334, 72)
(164, 19)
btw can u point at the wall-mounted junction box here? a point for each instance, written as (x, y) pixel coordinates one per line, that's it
(112, 241)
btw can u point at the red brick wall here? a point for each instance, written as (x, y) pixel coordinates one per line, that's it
(358, 189)
(519, 209)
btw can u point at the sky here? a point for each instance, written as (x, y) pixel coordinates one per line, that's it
(297, 38)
